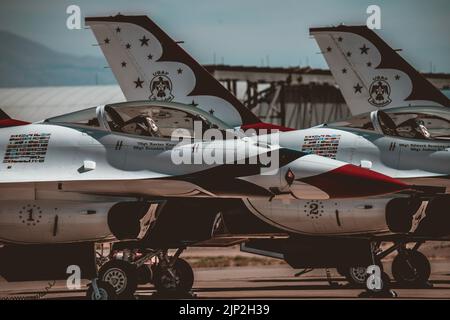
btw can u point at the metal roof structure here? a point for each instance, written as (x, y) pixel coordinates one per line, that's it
(38, 103)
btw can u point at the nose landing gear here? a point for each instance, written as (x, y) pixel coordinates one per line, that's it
(169, 274)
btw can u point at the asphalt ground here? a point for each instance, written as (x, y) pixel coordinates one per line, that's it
(249, 282)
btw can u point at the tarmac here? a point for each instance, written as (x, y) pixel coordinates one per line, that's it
(249, 282)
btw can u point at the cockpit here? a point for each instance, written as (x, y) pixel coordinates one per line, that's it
(145, 119)
(425, 123)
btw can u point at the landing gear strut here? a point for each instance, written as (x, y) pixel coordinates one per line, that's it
(381, 287)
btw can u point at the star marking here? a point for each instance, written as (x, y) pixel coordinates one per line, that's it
(397, 77)
(344, 70)
(211, 112)
(150, 57)
(144, 41)
(329, 49)
(124, 64)
(128, 46)
(106, 41)
(138, 83)
(369, 64)
(349, 54)
(364, 49)
(358, 88)
(180, 71)
(118, 29)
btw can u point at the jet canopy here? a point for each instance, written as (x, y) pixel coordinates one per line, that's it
(425, 123)
(143, 118)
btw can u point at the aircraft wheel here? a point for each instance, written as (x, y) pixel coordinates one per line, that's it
(180, 277)
(411, 267)
(121, 275)
(357, 276)
(106, 292)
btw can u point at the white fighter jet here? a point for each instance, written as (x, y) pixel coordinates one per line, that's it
(401, 125)
(101, 173)
(91, 175)
(139, 51)
(128, 150)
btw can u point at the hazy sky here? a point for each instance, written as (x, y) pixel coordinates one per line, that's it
(245, 32)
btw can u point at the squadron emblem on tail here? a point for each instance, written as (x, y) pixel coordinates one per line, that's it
(380, 92)
(161, 87)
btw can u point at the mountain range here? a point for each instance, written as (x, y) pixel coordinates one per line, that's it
(25, 63)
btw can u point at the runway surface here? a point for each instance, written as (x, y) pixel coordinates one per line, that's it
(251, 282)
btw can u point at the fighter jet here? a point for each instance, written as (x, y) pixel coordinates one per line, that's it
(322, 219)
(401, 125)
(91, 175)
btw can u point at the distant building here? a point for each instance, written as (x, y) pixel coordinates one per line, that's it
(294, 97)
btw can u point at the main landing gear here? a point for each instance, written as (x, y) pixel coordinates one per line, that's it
(126, 269)
(410, 268)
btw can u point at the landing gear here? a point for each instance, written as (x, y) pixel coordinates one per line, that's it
(411, 268)
(377, 282)
(100, 290)
(357, 276)
(144, 274)
(121, 275)
(177, 277)
(128, 268)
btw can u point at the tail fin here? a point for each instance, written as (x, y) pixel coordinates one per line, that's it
(149, 65)
(6, 121)
(370, 74)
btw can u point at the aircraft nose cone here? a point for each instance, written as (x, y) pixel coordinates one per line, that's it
(349, 181)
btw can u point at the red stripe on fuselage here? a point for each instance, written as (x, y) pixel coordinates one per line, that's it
(351, 181)
(12, 123)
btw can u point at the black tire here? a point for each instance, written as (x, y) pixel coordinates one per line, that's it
(144, 274)
(411, 268)
(184, 277)
(122, 276)
(105, 289)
